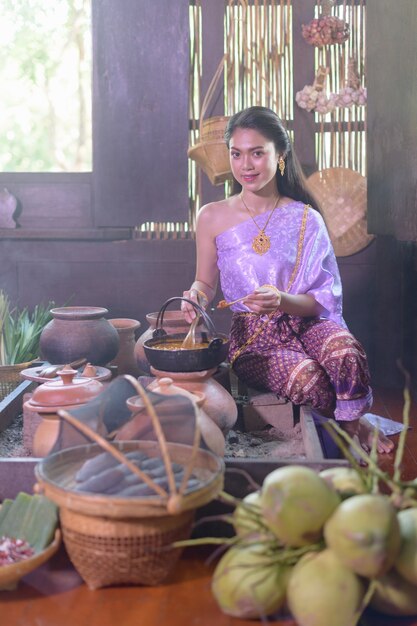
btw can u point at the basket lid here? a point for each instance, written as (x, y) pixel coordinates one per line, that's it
(68, 391)
(341, 193)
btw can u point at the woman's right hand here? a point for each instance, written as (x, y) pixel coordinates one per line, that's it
(188, 310)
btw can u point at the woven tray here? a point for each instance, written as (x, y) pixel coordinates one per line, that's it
(341, 193)
(10, 378)
(127, 540)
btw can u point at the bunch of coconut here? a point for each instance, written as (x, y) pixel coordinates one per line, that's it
(322, 546)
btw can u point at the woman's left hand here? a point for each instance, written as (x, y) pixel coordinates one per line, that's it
(264, 300)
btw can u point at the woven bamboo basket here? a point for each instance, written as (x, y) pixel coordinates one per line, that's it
(10, 378)
(211, 153)
(113, 540)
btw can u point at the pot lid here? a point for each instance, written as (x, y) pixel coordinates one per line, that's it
(166, 387)
(65, 392)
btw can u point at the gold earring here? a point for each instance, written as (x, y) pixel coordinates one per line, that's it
(281, 165)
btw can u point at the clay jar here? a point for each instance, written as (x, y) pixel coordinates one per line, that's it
(211, 434)
(79, 331)
(47, 399)
(125, 358)
(173, 323)
(177, 422)
(219, 405)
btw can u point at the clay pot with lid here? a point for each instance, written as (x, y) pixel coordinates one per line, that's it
(219, 404)
(212, 437)
(79, 331)
(66, 393)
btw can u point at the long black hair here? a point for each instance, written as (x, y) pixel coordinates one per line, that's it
(293, 183)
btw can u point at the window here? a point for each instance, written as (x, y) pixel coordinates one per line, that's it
(45, 73)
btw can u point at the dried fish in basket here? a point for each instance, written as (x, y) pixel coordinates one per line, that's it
(123, 503)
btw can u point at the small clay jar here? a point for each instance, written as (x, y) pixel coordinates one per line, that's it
(174, 323)
(210, 432)
(219, 405)
(125, 358)
(79, 331)
(181, 430)
(48, 398)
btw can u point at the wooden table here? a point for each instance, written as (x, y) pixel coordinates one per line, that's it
(54, 595)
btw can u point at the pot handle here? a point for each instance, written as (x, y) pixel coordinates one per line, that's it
(160, 319)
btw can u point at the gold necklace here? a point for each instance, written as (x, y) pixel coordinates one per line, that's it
(261, 242)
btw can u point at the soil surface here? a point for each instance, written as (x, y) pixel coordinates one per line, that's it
(11, 439)
(268, 442)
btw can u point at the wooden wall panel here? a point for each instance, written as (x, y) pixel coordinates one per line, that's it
(358, 279)
(50, 201)
(303, 72)
(140, 111)
(55, 205)
(130, 278)
(392, 118)
(213, 12)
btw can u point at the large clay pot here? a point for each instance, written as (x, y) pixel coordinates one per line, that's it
(174, 323)
(219, 405)
(125, 358)
(79, 331)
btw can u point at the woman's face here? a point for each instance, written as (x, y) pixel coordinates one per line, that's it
(253, 159)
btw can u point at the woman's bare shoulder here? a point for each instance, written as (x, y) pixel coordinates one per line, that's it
(217, 216)
(214, 209)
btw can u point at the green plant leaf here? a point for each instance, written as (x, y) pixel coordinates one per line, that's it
(20, 331)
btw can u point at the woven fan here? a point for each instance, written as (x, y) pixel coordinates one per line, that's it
(341, 193)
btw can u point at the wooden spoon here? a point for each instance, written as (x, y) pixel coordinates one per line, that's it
(51, 370)
(223, 304)
(189, 341)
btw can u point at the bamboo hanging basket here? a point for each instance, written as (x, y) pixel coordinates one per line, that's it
(341, 193)
(211, 153)
(113, 540)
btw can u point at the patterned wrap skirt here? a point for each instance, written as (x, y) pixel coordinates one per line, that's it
(310, 361)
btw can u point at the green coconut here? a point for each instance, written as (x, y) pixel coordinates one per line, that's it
(394, 595)
(365, 534)
(323, 592)
(406, 561)
(247, 518)
(295, 503)
(247, 584)
(345, 480)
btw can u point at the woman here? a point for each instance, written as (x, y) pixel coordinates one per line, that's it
(269, 245)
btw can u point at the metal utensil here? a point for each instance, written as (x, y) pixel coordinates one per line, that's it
(51, 370)
(189, 340)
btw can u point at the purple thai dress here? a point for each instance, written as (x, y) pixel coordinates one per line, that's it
(314, 360)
